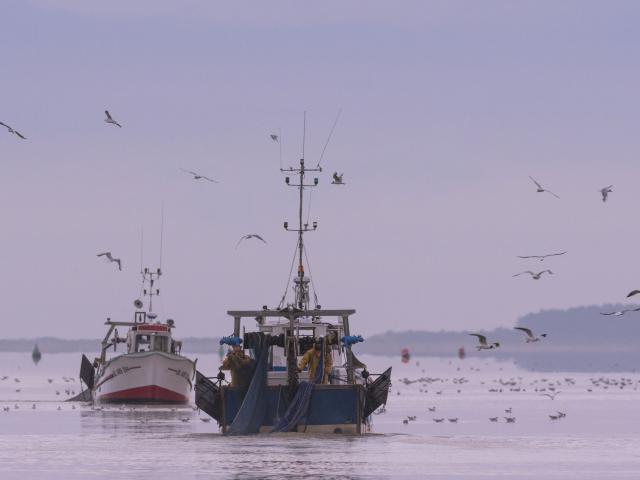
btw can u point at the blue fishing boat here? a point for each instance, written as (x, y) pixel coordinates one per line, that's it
(303, 375)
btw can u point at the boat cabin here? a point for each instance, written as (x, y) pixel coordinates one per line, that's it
(303, 328)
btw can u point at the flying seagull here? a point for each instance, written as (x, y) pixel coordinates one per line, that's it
(11, 130)
(250, 235)
(110, 119)
(197, 176)
(542, 257)
(111, 259)
(530, 336)
(337, 179)
(619, 313)
(483, 342)
(274, 137)
(632, 293)
(540, 189)
(535, 276)
(606, 191)
(552, 396)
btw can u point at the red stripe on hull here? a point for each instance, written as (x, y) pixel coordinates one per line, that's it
(149, 393)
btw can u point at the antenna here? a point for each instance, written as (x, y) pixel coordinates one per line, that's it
(141, 248)
(301, 281)
(304, 131)
(335, 122)
(161, 229)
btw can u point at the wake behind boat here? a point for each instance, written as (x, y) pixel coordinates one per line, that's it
(152, 370)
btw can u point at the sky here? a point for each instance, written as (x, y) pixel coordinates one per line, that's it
(447, 108)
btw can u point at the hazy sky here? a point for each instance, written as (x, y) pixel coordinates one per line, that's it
(448, 107)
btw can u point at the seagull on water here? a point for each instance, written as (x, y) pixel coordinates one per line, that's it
(11, 130)
(248, 236)
(483, 342)
(110, 119)
(606, 191)
(111, 259)
(542, 257)
(540, 189)
(197, 176)
(535, 276)
(530, 336)
(619, 313)
(337, 179)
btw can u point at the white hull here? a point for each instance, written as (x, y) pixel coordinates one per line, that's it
(146, 377)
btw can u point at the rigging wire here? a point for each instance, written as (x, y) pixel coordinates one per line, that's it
(335, 122)
(293, 261)
(280, 145)
(161, 230)
(313, 286)
(309, 208)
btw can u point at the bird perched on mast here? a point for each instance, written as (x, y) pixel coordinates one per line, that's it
(337, 179)
(110, 258)
(110, 119)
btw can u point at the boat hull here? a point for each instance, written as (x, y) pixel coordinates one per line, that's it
(146, 377)
(333, 408)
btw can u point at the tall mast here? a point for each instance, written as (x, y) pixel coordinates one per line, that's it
(301, 281)
(151, 277)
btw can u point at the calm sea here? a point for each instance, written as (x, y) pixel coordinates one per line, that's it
(45, 438)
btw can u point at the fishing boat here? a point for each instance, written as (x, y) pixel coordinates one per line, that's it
(280, 396)
(152, 370)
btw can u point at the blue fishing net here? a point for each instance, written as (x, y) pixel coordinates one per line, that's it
(297, 411)
(250, 416)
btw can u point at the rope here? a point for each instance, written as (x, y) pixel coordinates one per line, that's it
(335, 122)
(313, 286)
(293, 261)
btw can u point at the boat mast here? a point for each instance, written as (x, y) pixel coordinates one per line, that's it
(151, 277)
(301, 281)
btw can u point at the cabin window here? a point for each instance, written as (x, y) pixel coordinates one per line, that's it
(143, 343)
(160, 343)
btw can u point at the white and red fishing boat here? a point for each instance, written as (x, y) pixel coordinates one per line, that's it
(152, 370)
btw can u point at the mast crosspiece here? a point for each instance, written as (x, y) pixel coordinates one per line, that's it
(301, 281)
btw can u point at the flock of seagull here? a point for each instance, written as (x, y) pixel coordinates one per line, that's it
(544, 387)
(337, 180)
(483, 344)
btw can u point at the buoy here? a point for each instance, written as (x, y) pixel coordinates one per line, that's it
(36, 356)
